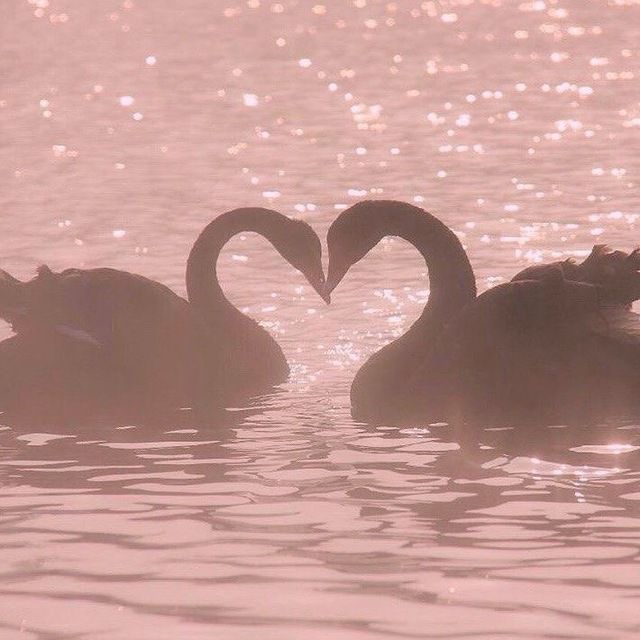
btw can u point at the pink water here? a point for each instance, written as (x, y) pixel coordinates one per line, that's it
(126, 126)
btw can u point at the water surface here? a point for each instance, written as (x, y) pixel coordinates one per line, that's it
(126, 126)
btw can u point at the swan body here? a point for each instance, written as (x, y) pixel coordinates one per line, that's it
(538, 350)
(536, 346)
(136, 336)
(146, 336)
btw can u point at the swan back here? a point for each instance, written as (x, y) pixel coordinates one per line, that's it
(615, 270)
(149, 332)
(550, 348)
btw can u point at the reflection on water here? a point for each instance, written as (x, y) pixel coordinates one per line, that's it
(126, 126)
(315, 527)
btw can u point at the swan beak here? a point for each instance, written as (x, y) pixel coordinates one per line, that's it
(319, 287)
(333, 279)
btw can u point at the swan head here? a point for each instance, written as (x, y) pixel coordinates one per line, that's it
(351, 236)
(300, 246)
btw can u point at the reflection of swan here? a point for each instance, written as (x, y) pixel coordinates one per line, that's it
(531, 346)
(134, 335)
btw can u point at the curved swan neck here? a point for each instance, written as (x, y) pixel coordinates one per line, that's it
(452, 283)
(203, 288)
(384, 386)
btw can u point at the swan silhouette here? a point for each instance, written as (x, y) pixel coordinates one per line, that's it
(126, 334)
(536, 346)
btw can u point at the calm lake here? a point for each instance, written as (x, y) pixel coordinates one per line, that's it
(126, 126)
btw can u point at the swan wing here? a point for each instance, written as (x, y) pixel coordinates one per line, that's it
(530, 342)
(77, 334)
(614, 326)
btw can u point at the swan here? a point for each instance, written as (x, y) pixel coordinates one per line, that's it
(135, 336)
(533, 346)
(615, 270)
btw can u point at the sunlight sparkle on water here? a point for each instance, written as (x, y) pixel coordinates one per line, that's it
(128, 126)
